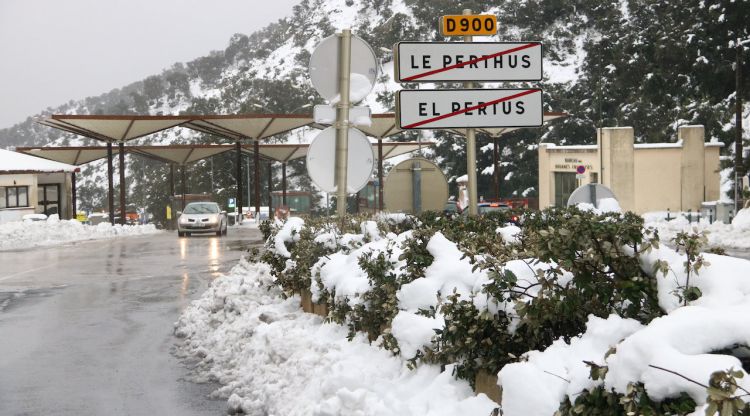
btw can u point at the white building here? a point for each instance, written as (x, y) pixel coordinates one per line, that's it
(31, 185)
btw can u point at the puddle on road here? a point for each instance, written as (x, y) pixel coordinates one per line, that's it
(243, 245)
(10, 299)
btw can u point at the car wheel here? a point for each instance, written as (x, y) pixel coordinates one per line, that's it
(187, 234)
(180, 234)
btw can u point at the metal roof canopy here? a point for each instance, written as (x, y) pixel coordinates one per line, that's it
(113, 128)
(248, 126)
(189, 153)
(123, 128)
(497, 132)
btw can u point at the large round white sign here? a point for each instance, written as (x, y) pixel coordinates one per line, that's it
(321, 160)
(324, 73)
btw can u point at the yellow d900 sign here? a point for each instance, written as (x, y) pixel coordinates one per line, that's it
(468, 25)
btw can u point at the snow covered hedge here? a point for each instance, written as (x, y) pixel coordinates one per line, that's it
(577, 313)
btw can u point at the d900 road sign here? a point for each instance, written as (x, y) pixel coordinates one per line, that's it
(450, 109)
(468, 25)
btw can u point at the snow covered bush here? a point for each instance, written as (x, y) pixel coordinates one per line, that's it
(568, 300)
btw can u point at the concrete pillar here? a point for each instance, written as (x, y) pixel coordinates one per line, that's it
(73, 195)
(546, 193)
(238, 178)
(110, 185)
(66, 197)
(256, 163)
(123, 210)
(616, 144)
(692, 167)
(283, 184)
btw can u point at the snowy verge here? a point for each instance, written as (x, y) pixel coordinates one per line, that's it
(735, 235)
(18, 235)
(683, 341)
(275, 359)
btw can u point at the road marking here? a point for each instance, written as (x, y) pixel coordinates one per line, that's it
(471, 62)
(24, 272)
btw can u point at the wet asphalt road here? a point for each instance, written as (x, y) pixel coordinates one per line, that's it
(86, 328)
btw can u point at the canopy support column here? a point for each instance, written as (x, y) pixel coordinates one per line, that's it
(380, 174)
(283, 184)
(171, 180)
(74, 214)
(110, 185)
(122, 183)
(256, 161)
(238, 151)
(184, 184)
(495, 167)
(270, 189)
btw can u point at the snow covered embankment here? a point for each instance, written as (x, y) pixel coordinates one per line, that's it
(735, 235)
(275, 359)
(18, 235)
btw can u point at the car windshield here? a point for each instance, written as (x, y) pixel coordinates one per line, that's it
(202, 209)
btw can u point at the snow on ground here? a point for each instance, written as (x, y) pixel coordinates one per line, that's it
(19, 234)
(275, 359)
(682, 341)
(734, 236)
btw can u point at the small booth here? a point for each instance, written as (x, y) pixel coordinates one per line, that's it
(32, 185)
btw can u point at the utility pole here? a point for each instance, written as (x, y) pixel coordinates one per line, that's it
(739, 171)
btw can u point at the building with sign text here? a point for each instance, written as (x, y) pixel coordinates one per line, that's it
(644, 177)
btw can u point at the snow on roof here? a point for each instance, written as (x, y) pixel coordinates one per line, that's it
(675, 145)
(574, 146)
(14, 162)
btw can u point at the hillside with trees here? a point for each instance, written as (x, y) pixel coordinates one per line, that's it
(651, 64)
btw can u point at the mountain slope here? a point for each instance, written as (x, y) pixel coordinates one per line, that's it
(607, 64)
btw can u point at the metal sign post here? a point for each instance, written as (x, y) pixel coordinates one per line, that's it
(350, 84)
(471, 149)
(342, 119)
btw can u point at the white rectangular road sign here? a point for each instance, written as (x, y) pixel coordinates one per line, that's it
(451, 109)
(471, 61)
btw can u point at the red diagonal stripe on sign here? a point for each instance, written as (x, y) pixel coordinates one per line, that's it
(473, 61)
(466, 110)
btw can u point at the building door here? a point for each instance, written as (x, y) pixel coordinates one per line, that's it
(565, 184)
(49, 198)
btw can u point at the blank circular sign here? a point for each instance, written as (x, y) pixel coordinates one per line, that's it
(399, 186)
(321, 160)
(324, 73)
(590, 193)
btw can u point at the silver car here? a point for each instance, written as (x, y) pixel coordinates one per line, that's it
(202, 217)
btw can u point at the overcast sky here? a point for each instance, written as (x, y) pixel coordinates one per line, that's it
(52, 51)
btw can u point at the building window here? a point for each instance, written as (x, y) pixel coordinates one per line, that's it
(16, 196)
(565, 184)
